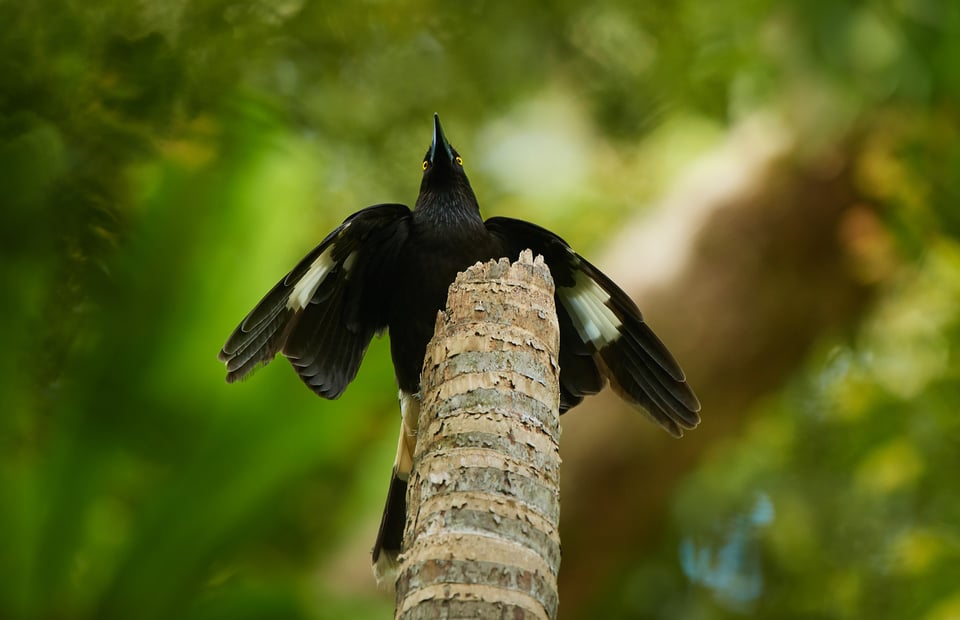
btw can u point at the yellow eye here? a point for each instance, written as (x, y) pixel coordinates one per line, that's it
(459, 160)
(425, 164)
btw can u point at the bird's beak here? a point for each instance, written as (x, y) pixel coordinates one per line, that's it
(439, 146)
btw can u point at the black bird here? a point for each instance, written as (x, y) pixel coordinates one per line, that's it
(387, 267)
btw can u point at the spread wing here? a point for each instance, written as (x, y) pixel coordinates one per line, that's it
(323, 314)
(602, 333)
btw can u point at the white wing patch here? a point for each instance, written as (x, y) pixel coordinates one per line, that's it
(587, 303)
(307, 285)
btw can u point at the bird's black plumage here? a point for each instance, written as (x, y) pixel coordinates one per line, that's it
(387, 267)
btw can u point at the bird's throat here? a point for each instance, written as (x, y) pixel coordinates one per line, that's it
(449, 214)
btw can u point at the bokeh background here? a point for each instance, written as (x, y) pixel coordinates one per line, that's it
(777, 184)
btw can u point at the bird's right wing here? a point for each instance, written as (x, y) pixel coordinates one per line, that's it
(603, 333)
(323, 314)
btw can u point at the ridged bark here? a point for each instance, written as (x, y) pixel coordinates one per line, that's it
(481, 537)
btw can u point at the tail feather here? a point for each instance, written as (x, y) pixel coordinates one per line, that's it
(386, 549)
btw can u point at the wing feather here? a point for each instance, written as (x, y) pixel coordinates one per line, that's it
(324, 312)
(604, 326)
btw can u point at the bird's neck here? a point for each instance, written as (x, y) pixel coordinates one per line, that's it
(448, 209)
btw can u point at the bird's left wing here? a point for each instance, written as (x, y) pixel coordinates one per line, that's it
(323, 313)
(602, 333)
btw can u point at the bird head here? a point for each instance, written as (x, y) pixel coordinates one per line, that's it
(442, 166)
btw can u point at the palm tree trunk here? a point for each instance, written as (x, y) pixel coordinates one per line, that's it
(483, 499)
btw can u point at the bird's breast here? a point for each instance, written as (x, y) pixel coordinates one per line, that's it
(425, 270)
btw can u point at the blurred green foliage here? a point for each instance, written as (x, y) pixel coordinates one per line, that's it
(854, 464)
(164, 162)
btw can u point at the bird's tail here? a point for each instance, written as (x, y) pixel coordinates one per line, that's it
(386, 550)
